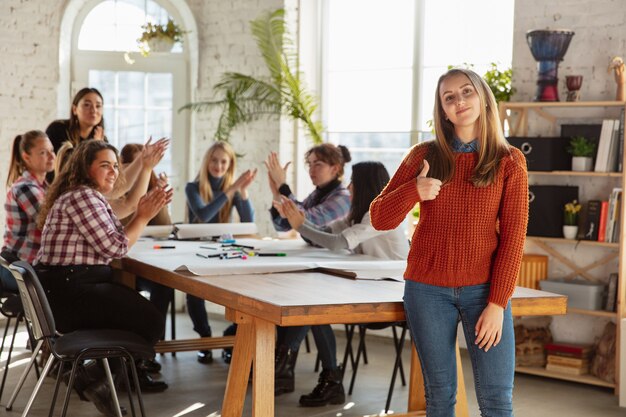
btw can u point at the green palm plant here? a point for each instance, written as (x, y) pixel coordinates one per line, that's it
(244, 98)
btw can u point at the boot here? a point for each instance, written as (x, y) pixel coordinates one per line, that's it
(329, 390)
(284, 370)
(100, 395)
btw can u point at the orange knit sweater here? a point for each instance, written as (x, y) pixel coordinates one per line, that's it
(456, 242)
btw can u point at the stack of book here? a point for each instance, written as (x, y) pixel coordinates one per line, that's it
(609, 157)
(602, 218)
(568, 358)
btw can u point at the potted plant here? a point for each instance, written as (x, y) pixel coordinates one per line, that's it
(244, 98)
(159, 38)
(570, 219)
(582, 150)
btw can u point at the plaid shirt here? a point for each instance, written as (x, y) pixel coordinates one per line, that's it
(334, 206)
(21, 235)
(81, 229)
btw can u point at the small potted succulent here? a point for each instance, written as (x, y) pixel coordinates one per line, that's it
(159, 38)
(582, 150)
(570, 219)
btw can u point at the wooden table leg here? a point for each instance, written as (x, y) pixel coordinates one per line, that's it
(254, 345)
(239, 372)
(461, 394)
(263, 376)
(417, 399)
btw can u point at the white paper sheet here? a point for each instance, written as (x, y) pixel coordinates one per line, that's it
(299, 257)
(208, 230)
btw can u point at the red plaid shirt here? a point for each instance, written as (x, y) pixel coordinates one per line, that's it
(22, 204)
(81, 229)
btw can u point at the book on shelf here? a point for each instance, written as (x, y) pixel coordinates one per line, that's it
(606, 134)
(617, 215)
(611, 292)
(620, 147)
(612, 226)
(567, 369)
(613, 148)
(575, 350)
(591, 220)
(568, 361)
(604, 213)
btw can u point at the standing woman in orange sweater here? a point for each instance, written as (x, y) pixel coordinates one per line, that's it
(467, 248)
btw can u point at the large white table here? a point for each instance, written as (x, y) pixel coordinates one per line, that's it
(260, 302)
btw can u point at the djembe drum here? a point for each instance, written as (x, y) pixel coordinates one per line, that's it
(548, 48)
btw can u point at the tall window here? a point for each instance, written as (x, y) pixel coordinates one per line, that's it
(370, 100)
(141, 94)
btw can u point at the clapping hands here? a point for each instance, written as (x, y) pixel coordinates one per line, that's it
(290, 211)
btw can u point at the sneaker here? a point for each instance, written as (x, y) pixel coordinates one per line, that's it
(149, 365)
(205, 356)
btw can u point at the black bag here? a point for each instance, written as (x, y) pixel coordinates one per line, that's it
(545, 209)
(544, 154)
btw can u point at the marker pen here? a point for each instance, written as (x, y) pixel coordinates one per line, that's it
(163, 247)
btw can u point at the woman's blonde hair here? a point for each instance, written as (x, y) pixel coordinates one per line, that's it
(206, 193)
(491, 143)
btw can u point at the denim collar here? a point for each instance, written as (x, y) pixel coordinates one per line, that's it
(458, 146)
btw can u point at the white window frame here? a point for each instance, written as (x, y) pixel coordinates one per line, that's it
(178, 64)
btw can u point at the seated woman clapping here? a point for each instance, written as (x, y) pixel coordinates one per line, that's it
(81, 235)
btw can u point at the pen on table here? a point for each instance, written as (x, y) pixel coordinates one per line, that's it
(238, 255)
(236, 245)
(207, 247)
(271, 254)
(163, 247)
(216, 255)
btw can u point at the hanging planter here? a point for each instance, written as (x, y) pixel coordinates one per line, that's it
(160, 44)
(160, 38)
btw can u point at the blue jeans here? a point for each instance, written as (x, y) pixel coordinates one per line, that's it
(324, 341)
(198, 315)
(433, 314)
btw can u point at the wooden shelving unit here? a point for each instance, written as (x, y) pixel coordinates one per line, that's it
(516, 115)
(585, 379)
(577, 174)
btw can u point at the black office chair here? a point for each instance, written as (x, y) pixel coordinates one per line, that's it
(11, 308)
(398, 342)
(74, 347)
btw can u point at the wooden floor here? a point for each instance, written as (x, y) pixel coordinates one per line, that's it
(196, 390)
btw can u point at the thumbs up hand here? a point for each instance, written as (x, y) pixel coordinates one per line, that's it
(427, 188)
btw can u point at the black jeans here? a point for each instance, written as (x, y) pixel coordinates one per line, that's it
(85, 297)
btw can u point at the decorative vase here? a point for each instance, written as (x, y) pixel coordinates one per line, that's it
(582, 163)
(160, 44)
(573, 84)
(570, 232)
(548, 47)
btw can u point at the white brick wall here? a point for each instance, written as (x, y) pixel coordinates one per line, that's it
(599, 35)
(29, 77)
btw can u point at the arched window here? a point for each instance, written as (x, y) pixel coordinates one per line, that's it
(141, 93)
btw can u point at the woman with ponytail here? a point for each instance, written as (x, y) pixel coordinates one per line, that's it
(32, 157)
(329, 202)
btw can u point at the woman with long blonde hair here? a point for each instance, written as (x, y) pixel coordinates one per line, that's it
(467, 248)
(210, 199)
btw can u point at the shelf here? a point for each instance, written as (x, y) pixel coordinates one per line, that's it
(584, 379)
(577, 173)
(540, 104)
(595, 313)
(573, 241)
